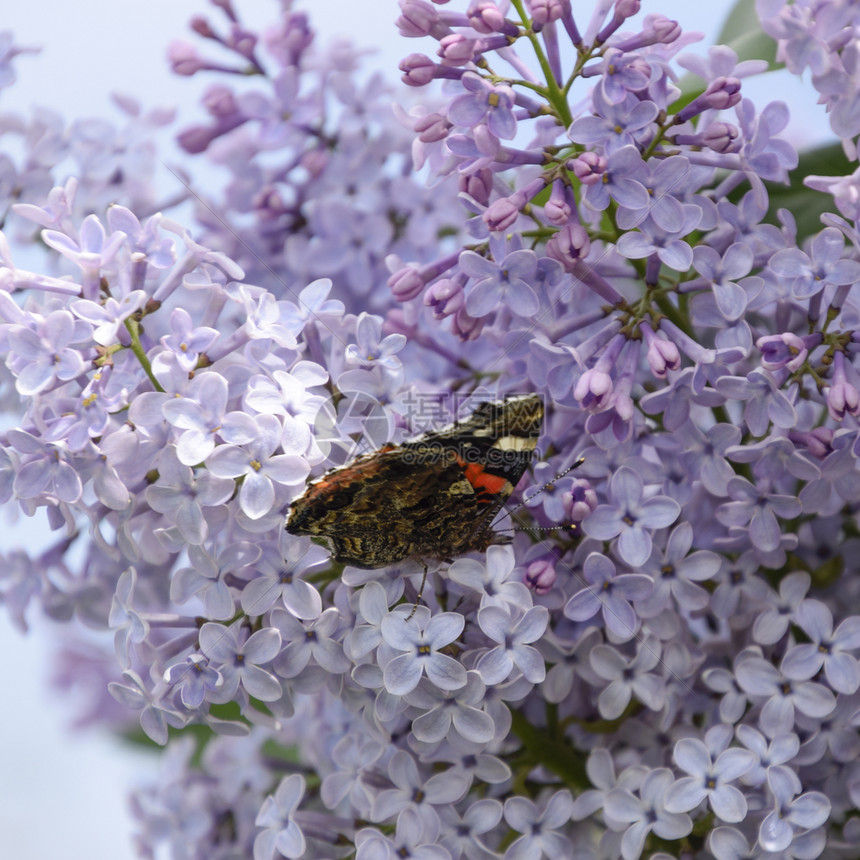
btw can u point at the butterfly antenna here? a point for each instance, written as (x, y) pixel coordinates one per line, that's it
(537, 492)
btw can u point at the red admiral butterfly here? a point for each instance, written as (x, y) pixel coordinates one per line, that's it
(434, 497)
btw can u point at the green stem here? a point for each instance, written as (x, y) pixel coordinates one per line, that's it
(553, 93)
(133, 328)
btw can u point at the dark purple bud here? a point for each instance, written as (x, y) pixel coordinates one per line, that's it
(478, 185)
(580, 501)
(226, 6)
(445, 296)
(721, 94)
(540, 576)
(588, 167)
(569, 245)
(242, 41)
(558, 208)
(466, 327)
(200, 25)
(662, 355)
(785, 350)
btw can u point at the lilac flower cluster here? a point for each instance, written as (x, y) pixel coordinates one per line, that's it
(668, 665)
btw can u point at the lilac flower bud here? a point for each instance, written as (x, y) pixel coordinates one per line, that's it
(818, 442)
(418, 70)
(627, 8)
(593, 389)
(446, 296)
(455, 49)
(406, 283)
(478, 185)
(419, 18)
(184, 59)
(658, 30)
(502, 213)
(466, 327)
(719, 136)
(842, 396)
(432, 127)
(721, 94)
(784, 350)
(201, 26)
(588, 167)
(544, 11)
(624, 9)
(580, 501)
(558, 208)
(540, 576)
(486, 17)
(662, 355)
(569, 245)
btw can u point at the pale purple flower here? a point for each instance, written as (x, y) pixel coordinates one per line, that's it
(136, 696)
(207, 575)
(782, 749)
(187, 341)
(758, 510)
(201, 414)
(278, 575)
(309, 639)
(259, 466)
(646, 814)
(484, 101)
(194, 677)
(675, 573)
(711, 772)
(458, 710)
(513, 632)
(239, 658)
(109, 315)
(809, 274)
(371, 347)
(423, 653)
(493, 579)
(539, 826)
(610, 593)
(628, 678)
(827, 648)
(630, 516)
(762, 681)
(414, 790)
(615, 125)
(282, 836)
(792, 814)
(508, 282)
(44, 354)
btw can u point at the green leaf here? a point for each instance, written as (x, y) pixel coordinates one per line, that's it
(807, 204)
(743, 33)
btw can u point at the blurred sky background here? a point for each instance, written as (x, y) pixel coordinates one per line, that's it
(63, 793)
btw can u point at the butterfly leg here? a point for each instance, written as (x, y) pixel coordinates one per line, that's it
(420, 592)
